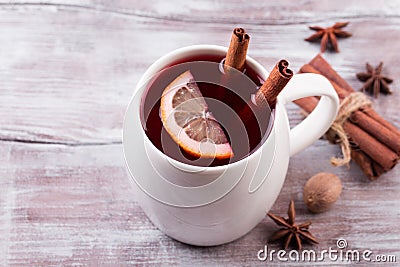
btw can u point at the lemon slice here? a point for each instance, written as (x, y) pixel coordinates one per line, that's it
(186, 118)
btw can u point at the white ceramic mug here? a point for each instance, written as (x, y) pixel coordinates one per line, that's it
(215, 205)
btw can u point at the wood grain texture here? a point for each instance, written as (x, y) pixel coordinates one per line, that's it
(67, 72)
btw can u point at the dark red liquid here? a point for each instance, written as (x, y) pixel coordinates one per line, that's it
(229, 99)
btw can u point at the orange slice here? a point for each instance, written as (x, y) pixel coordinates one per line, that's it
(186, 117)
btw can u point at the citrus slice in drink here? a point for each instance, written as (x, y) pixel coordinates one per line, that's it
(186, 118)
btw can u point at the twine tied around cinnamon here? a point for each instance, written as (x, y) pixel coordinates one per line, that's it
(350, 104)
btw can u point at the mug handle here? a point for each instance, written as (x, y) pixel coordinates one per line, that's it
(321, 118)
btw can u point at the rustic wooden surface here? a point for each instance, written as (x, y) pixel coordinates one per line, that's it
(67, 72)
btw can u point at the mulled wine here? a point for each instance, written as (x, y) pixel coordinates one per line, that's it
(228, 95)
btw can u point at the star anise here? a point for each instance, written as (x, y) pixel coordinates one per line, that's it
(329, 35)
(375, 82)
(291, 231)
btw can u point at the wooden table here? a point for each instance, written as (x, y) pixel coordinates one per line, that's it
(67, 72)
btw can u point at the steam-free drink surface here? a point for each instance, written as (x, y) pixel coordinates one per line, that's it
(228, 96)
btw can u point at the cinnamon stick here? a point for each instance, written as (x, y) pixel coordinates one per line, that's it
(372, 113)
(276, 81)
(369, 167)
(319, 63)
(256, 115)
(374, 128)
(373, 148)
(342, 93)
(307, 103)
(236, 55)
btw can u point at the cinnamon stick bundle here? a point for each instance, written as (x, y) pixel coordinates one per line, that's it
(377, 126)
(375, 141)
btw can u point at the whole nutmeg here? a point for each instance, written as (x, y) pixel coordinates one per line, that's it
(321, 191)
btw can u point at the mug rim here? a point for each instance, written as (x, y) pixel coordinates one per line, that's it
(163, 62)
